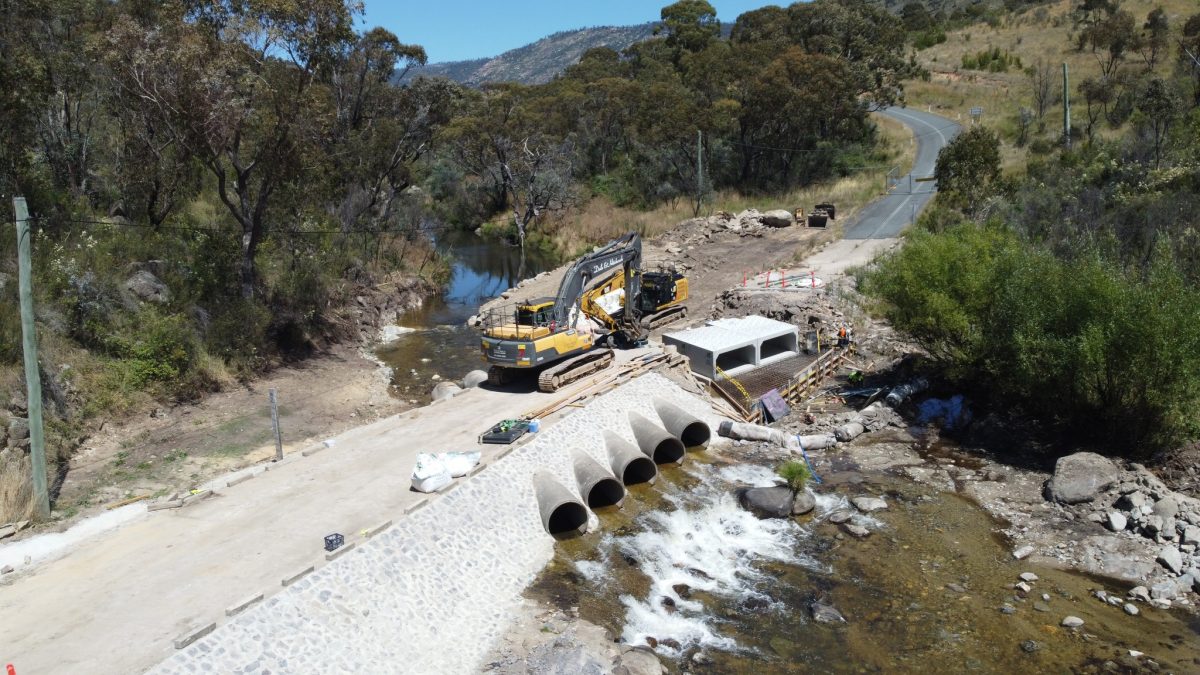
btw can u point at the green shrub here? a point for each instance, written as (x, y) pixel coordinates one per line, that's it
(154, 347)
(795, 474)
(1108, 352)
(237, 333)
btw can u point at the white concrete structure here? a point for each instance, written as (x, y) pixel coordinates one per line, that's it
(736, 346)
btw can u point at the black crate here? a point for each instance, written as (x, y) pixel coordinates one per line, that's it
(334, 541)
(498, 435)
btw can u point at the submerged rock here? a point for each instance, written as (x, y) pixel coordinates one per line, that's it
(856, 530)
(868, 504)
(839, 517)
(823, 612)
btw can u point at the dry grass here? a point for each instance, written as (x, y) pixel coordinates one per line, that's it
(16, 491)
(1044, 32)
(600, 220)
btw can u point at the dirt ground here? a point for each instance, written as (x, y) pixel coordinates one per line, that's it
(177, 448)
(712, 257)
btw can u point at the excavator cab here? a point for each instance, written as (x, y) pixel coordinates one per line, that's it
(663, 293)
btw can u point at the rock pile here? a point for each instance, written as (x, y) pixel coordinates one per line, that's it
(1155, 532)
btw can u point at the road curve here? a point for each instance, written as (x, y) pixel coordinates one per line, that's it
(885, 217)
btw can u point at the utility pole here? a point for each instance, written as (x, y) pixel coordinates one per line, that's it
(1066, 109)
(33, 378)
(699, 167)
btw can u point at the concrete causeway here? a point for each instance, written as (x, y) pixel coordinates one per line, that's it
(433, 592)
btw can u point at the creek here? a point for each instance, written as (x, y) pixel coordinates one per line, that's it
(441, 343)
(683, 568)
(714, 589)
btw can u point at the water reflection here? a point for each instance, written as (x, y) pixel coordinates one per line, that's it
(443, 345)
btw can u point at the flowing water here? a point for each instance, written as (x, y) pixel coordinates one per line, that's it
(441, 343)
(684, 569)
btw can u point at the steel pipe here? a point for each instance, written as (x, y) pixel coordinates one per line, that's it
(629, 463)
(654, 440)
(596, 484)
(562, 513)
(683, 425)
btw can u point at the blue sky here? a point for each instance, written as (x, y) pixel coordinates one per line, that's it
(455, 30)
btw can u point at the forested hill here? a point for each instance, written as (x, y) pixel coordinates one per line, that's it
(539, 62)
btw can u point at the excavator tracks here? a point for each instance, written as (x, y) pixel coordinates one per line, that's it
(560, 374)
(665, 317)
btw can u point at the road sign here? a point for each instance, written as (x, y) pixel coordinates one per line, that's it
(976, 112)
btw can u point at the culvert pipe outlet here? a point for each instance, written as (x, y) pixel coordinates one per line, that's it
(629, 463)
(655, 441)
(689, 429)
(561, 511)
(597, 484)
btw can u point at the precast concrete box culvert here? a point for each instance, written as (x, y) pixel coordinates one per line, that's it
(731, 347)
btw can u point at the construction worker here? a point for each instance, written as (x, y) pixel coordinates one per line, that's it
(842, 340)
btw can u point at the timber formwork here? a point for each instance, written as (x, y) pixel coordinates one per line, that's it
(744, 393)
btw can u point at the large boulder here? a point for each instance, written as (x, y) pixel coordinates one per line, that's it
(777, 218)
(148, 288)
(804, 502)
(1080, 477)
(445, 390)
(474, 379)
(767, 502)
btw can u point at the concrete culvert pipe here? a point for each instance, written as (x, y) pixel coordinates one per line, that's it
(655, 441)
(629, 463)
(683, 425)
(596, 483)
(561, 511)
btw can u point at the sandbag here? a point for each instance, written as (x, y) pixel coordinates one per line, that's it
(460, 463)
(430, 474)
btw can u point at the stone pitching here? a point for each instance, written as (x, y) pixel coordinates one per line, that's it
(434, 592)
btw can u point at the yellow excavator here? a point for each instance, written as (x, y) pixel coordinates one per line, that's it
(557, 337)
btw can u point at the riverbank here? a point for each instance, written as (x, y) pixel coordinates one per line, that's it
(160, 447)
(986, 566)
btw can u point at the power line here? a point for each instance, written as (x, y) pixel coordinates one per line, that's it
(211, 230)
(778, 149)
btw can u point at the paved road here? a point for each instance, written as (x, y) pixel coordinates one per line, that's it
(887, 216)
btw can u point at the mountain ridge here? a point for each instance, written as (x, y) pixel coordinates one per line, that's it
(537, 62)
